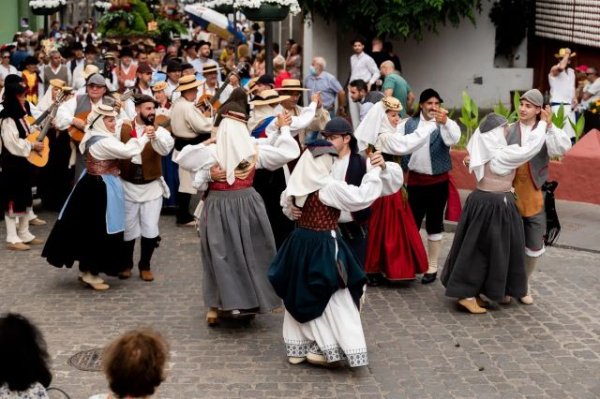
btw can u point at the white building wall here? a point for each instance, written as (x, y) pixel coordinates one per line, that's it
(449, 62)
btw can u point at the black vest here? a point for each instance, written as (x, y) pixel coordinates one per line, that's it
(357, 168)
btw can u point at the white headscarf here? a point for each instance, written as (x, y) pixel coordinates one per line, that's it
(310, 175)
(482, 148)
(95, 127)
(375, 123)
(234, 145)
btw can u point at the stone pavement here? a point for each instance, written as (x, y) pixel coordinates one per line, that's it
(420, 345)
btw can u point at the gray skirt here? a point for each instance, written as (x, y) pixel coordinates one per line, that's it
(488, 252)
(237, 247)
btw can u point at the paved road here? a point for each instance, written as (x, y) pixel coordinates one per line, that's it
(420, 346)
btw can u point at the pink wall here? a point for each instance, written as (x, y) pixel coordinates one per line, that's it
(578, 174)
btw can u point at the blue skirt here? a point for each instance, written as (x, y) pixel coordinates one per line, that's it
(306, 272)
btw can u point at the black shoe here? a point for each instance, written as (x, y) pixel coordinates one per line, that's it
(428, 278)
(375, 279)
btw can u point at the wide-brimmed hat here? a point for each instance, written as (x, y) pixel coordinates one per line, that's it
(563, 52)
(235, 115)
(391, 104)
(291, 85)
(188, 82)
(89, 70)
(110, 55)
(105, 110)
(210, 68)
(59, 83)
(159, 86)
(267, 97)
(126, 52)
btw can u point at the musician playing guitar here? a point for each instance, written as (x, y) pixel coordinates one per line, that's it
(73, 114)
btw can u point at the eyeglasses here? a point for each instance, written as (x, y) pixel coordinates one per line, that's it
(6, 56)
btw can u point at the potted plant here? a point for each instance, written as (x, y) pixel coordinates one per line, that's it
(46, 7)
(268, 10)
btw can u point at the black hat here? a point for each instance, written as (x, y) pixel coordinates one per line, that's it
(77, 46)
(12, 89)
(139, 99)
(189, 44)
(90, 49)
(13, 78)
(202, 43)
(339, 125)
(266, 80)
(319, 146)
(126, 52)
(427, 94)
(30, 60)
(174, 66)
(186, 65)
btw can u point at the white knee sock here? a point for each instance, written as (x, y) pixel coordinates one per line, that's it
(11, 230)
(433, 253)
(23, 229)
(530, 264)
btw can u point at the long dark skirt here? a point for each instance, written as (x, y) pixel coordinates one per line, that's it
(56, 179)
(80, 234)
(488, 252)
(237, 247)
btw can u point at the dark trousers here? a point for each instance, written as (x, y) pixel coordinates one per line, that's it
(429, 201)
(183, 215)
(355, 235)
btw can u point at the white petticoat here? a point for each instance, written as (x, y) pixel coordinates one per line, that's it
(337, 333)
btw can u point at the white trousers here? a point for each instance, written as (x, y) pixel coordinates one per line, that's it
(141, 219)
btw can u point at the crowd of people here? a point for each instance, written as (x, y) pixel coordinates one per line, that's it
(300, 205)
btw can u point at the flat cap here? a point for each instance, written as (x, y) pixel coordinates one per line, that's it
(491, 122)
(337, 125)
(534, 96)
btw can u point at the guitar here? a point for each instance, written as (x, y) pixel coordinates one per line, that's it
(40, 159)
(205, 103)
(77, 134)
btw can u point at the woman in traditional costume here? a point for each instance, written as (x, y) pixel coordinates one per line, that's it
(90, 226)
(317, 275)
(487, 255)
(394, 247)
(236, 239)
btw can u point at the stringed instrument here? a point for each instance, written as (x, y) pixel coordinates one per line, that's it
(206, 101)
(77, 134)
(40, 159)
(163, 120)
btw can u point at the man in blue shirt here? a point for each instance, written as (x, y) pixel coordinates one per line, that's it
(322, 81)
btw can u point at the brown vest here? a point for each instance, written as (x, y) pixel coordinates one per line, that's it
(151, 160)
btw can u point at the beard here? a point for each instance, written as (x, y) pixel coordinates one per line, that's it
(148, 120)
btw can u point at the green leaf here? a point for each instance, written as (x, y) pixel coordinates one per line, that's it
(517, 100)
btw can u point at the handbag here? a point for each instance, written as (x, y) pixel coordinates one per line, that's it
(552, 222)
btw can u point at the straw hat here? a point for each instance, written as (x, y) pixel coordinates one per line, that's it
(89, 69)
(238, 116)
(159, 86)
(563, 52)
(291, 85)
(267, 97)
(58, 83)
(105, 110)
(187, 82)
(211, 68)
(391, 104)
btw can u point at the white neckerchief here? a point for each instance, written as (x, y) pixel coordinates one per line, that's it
(373, 124)
(309, 175)
(234, 145)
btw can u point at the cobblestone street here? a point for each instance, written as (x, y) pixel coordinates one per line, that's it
(420, 345)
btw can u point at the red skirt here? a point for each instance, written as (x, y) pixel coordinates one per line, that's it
(394, 245)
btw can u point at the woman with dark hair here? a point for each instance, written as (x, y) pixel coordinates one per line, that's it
(134, 365)
(24, 371)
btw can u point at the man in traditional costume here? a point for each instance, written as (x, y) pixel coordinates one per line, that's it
(428, 174)
(531, 176)
(144, 189)
(189, 126)
(316, 274)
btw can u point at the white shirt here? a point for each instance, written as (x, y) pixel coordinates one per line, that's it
(593, 89)
(11, 140)
(391, 179)
(170, 91)
(10, 70)
(420, 160)
(509, 158)
(400, 144)
(557, 141)
(362, 66)
(562, 86)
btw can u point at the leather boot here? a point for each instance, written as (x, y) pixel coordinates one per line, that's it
(128, 248)
(148, 247)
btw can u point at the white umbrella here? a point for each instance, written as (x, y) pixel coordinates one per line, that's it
(212, 21)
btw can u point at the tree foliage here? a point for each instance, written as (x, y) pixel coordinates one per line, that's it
(393, 18)
(511, 18)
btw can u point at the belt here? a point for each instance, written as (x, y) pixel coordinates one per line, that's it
(181, 142)
(554, 104)
(137, 177)
(352, 230)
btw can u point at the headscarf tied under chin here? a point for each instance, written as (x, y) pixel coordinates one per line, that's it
(310, 174)
(95, 127)
(374, 124)
(234, 146)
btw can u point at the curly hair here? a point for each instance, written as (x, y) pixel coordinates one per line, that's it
(134, 363)
(23, 354)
